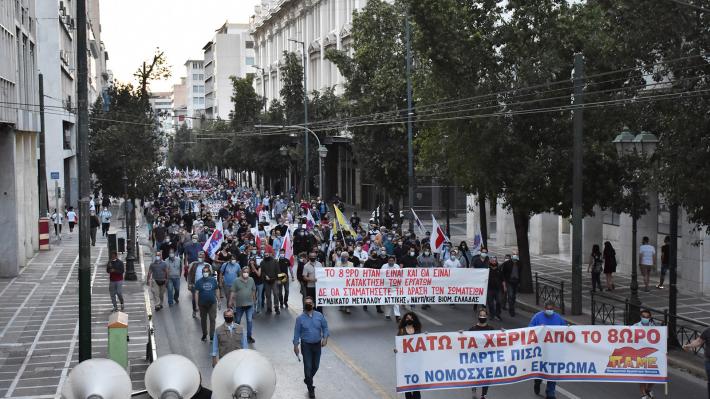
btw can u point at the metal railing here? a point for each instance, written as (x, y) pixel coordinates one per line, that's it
(608, 309)
(550, 290)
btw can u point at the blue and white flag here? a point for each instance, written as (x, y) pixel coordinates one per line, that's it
(476, 247)
(215, 241)
(421, 231)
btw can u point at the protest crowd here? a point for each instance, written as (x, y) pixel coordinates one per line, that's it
(238, 250)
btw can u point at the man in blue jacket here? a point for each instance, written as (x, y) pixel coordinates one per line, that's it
(547, 317)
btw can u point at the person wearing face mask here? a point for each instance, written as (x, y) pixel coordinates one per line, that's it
(482, 325)
(191, 251)
(156, 279)
(409, 325)
(344, 261)
(496, 289)
(373, 262)
(285, 270)
(547, 317)
(206, 294)
(646, 321)
(389, 309)
(481, 261)
(227, 338)
(194, 274)
(409, 259)
(270, 272)
(309, 275)
(174, 273)
(311, 332)
(453, 262)
(242, 299)
(360, 253)
(511, 276)
(426, 259)
(228, 273)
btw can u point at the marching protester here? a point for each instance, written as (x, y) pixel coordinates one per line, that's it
(227, 337)
(389, 309)
(703, 340)
(285, 271)
(309, 276)
(511, 276)
(206, 294)
(311, 333)
(242, 299)
(409, 325)
(174, 273)
(158, 275)
(482, 325)
(115, 269)
(496, 289)
(546, 317)
(270, 272)
(193, 275)
(646, 321)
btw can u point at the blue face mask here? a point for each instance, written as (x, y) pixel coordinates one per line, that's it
(549, 312)
(645, 321)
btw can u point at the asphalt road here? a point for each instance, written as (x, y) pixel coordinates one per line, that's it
(359, 362)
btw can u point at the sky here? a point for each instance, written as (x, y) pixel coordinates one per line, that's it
(132, 29)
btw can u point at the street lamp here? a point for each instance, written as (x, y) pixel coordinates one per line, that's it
(130, 274)
(263, 84)
(284, 153)
(644, 145)
(306, 179)
(322, 153)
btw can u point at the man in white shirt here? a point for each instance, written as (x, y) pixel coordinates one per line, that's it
(343, 261)
(390, 265)
(360, 254)
(58, 220)
(453, 262)
(647, 259)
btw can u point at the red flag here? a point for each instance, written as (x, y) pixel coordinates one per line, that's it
(287, 246)
(438, 238)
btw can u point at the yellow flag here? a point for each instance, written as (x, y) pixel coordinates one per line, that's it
(341, 221)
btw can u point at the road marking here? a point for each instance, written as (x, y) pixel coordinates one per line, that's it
(19, 309)
(41, 330)
(379, 389)
(51, 264)
(429, 319)
(567, 393)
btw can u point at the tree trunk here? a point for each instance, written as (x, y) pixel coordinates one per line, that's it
(483, 219)
(521, 219)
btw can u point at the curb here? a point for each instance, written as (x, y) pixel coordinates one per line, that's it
(151, 350)
(674, 361)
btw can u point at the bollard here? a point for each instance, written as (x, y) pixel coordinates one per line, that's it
(112, 242)
(118, 338)
(43, 226)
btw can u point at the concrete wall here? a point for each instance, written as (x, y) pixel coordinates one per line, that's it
(19, 236)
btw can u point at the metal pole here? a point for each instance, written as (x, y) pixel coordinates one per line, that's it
(320, 177)
(673, 266)
(634, 302)
(82, 153)
(307, 191)
(57, 193)
(578, 125)
(43, 200)
(410, 150)
(448, 209)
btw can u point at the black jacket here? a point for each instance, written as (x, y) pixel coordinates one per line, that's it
(508, 269)
(495, 279)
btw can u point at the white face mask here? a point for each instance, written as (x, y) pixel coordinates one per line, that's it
(205, 274)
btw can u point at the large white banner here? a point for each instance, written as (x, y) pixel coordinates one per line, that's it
(340, 286)
(556, 353)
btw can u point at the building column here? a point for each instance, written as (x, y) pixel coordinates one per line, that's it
(647, 225)
(505, 227)
(544, 234)
(9, 237)
(592, 233)
(472, 213)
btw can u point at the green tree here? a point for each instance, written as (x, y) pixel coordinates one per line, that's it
(376, 83)
(292, 88)
(179, 148)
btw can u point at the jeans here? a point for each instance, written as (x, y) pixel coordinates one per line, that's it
(596, 281)
(249, 311)
(495, 302)
(104, 228)
(549, 388)
(208, 309)
(115, 289)
(664, 270)
(259, 298)
(173, 289)
(311, 361)
(707, 372)
(283, 293)
(92, 233)
(512, 295)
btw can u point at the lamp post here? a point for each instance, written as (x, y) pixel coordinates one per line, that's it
(322, 153)
(284, 152)
(644, 145)
(306, 177)
(263, 84)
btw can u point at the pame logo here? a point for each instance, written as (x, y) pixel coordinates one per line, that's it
(628, 360)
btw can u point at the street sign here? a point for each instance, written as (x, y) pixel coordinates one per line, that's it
(54, 175)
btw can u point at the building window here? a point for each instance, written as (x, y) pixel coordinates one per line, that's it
(195, 100)
(195, 76)
(250, 44)
(610, 217)
(250, 60)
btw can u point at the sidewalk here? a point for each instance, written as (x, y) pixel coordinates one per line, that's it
(39, 319)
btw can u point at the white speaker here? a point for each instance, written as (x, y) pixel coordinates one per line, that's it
(97, 379)
(172, 377)
(243, 374)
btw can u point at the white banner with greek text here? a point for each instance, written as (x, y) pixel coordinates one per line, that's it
(557, 353)
(343, 286)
